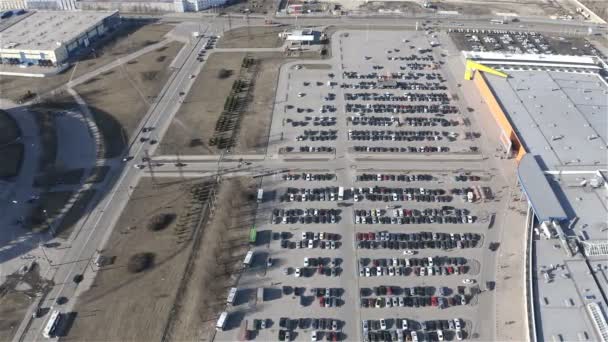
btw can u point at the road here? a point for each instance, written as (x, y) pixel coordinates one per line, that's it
(79, 256)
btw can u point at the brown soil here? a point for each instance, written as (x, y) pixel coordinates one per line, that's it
(123, 306)
(125, 92)
(252, 37)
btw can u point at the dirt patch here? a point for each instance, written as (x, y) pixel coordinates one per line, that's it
(194, 123)
(130, 37)
(256, 119)
(521, 7)
(217, 262)
(16, 88)
(399, 7)
(126, 92)
(252, 37)
(250, 6)
(599, 7)
(121, 305)
(16, 295)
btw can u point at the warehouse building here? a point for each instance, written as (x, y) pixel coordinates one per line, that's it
(49, 38)
(553, 113)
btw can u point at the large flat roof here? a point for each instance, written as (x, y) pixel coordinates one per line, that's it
(560, 116)
(44, 29)
(562, 120)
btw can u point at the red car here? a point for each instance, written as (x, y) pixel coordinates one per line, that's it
(434, 301)
(322, 301)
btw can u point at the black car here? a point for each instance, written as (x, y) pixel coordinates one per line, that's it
(283, 322)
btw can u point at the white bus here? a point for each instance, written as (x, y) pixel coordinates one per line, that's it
(221, 322)
(231, 296)
(248, 258)
(51, 324)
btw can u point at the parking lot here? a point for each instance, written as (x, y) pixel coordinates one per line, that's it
(521, 42)
(366, 250)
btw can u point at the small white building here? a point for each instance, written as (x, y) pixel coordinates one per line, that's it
(301, 37)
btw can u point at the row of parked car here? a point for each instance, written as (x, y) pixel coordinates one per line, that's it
(310, 149)
(367, 177)
(408, 149)
(401, 84)
(393, 290)
(322, 244)
(411, 246)
(429, 261)
(415, 301)
(309, 176)
(405, 97)
(400, 135)
(392, 271)
(420, 236)
(400, 108)
(392, 120)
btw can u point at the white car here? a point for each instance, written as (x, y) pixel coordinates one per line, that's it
(298, 272)
(311, 244)
(440, 335)
(306, 262)
(300, 94)
(368, 272)
(391, 271)
(468, 281)
(313, 335)
(414, 336)
(457, 325)
(139, 166)
(365, 325)
(304, 236)
(404, 324)
(459, 335)
(382, 324)
(430, 261)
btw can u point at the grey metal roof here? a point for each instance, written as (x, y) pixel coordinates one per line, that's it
(560, 116)
(543, 200)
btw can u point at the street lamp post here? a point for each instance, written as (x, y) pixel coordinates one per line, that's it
(48, 224)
